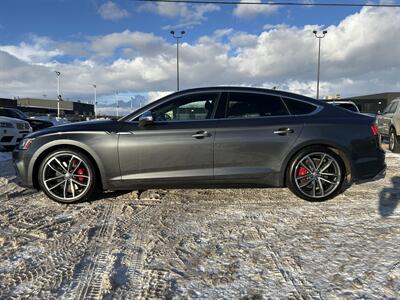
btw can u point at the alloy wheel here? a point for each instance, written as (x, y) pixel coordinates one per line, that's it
(66, 177)
(391, 140)
(317, 175)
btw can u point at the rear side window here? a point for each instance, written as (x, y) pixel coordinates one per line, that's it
(393, 107)
(298, 107)
(251, 105)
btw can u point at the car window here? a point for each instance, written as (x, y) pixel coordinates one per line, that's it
(299, 107)
(393, 107)
(191, 107)
(5, 113)
(252, 105)
(348, 106)
(386, 110)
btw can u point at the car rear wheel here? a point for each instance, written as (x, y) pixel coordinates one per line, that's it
(394, 141)
(67, 176)
(316, 174)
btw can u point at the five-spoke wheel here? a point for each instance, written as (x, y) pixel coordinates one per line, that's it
(67, 176)
(316, 174)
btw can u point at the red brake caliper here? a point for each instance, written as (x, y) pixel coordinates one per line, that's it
(302, 172)
(80, 171)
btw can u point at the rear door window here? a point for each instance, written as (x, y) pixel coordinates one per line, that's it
(253, 105)
(299, 107)
(393, 107)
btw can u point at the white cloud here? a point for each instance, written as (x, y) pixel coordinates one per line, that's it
(187, 15)
(359, 56)
(111, 11)
(253, 10)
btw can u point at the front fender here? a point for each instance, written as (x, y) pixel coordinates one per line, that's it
(103, 152)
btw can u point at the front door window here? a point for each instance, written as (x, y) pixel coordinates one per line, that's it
(187, 108)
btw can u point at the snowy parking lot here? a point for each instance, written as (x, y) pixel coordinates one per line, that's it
(232, 244)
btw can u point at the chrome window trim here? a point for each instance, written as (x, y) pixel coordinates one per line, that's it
(318, 109)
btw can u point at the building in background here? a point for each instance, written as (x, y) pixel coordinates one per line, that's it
(9, 103)
(373, 103)
(33, 107)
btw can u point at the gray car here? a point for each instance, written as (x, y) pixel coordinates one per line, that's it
(204, 138)
(389, 125)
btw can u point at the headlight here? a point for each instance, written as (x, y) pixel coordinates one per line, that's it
(6, 125)
(25, 144)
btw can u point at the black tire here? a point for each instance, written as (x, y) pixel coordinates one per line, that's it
(88, 191)
(394, 143)
(295, 164)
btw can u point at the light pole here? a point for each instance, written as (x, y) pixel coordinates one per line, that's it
(58, 93)
(116, 102)
(95, 100)
(177, 37)
(319, 37)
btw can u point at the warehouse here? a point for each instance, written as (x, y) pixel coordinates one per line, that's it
(374, 103)
(32, 106)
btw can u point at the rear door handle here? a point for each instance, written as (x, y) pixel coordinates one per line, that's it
(283, 131)
(201, 134)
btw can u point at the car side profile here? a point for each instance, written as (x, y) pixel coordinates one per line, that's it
(205, 138)
(389, 125)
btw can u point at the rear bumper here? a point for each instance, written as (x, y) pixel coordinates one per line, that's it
(370, 168)
(381, 174)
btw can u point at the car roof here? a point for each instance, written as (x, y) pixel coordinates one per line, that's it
(341, 102)
(244, 88)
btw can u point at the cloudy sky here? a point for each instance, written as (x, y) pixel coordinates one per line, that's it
(126, 47)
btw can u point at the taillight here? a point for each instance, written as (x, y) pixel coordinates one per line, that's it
(375, 130)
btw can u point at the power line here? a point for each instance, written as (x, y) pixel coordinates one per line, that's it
(273, 3)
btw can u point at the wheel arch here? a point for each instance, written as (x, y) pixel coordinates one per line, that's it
(41, 153)
(340, 151)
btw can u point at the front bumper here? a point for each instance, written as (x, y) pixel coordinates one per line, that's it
(21, 161)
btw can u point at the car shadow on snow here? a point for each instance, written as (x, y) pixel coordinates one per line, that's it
(389, 198)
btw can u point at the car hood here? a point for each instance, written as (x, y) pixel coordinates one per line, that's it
(11, 120)
(102, 125)
(38, 121)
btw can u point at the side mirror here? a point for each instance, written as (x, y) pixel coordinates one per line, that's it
(146, 119)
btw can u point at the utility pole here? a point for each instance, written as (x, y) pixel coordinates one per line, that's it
(177, 37)
(319, 37)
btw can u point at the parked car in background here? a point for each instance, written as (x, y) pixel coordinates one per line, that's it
(17, 114)
(207, 137)
(389, 125)
(349, 105)
(12, 131)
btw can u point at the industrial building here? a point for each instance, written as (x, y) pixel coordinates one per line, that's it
(373, 103)
(33, 106)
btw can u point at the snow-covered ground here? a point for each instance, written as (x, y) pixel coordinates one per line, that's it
(207, 244)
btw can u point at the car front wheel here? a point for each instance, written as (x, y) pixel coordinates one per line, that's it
(67, 176)
(316, 174)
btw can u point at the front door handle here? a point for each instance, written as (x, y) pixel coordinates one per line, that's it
(283, 131)
(201, 134)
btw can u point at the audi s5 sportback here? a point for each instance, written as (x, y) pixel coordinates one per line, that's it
(207, 137)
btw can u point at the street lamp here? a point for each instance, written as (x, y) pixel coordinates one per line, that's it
(95, 100)
(116, 102)
(319, 37)
(177, 37)
(58, 93)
